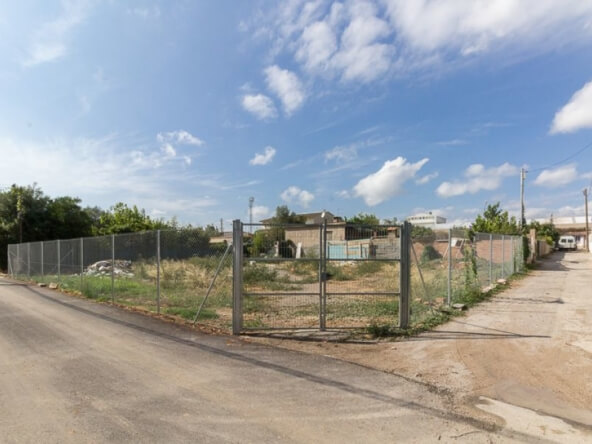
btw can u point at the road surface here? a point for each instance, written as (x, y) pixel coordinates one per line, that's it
(76, 371)
(523, 358)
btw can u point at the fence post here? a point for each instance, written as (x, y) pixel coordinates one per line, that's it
(112, 268)
(42, 268)
(490, 259)
(513, 255)
(28, 260)
(81, 263)
(157, 271)
(503, 258)
(449, 294)
(237, 277)
(323, 276)
(59, 261)
(404, 276)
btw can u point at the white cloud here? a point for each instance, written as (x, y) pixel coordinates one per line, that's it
(577, 114)
(263, 158)
(453, 142)
(286, 85)
(260, 212)
(343, 194)
(259, 105)
(364, 40)
(587, 175)
(425, 179)
(477, 178)
(295, 194)
(145, 13)
(557, 177)
(181, 137)
(342, 154)
(49, 42)
(476, 26)
(168, 150)
(388, 181)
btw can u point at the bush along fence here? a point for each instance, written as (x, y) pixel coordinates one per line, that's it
(262, 277)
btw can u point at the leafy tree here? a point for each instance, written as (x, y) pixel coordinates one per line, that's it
(494, 220)
(547, 231)
(123, 219)
(364, 219)
(283, 215)
(420, 231)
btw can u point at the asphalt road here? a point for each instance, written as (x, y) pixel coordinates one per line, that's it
(75, 371)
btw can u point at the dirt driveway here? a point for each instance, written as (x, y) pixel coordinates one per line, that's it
(525, 356)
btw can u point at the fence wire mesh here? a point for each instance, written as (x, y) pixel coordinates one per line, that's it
(170, 272)
(293, 276)
(452, 267)
(329, 275)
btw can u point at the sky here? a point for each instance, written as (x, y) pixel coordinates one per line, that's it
(188, 108)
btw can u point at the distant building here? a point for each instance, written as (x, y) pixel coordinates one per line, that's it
(427, 220)
(572, 225)
(312, 218)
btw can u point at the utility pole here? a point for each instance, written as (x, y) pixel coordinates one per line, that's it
(586, 211)
(222, 225)
(522, 177)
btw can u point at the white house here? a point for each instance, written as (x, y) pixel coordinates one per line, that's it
(427, 220)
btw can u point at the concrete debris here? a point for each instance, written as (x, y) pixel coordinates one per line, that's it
(53, 286)
(502, 281)
(459, 306)
(42, 284)
(103, 268)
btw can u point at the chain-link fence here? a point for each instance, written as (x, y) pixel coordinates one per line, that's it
(451, 267)
(332, 275)
(176, 272)
(291, 276)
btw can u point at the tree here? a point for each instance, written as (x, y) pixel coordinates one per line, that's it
(283, 215)
(547, 231)
(364, 219)
(123, 219)
(494, 220)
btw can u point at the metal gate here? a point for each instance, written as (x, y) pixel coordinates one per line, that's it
(323, 275)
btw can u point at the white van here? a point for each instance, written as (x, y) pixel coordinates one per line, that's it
(567, 243)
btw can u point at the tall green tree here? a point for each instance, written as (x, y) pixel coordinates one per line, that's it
(495, 220)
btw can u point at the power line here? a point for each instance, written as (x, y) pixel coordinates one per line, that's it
(577, 153)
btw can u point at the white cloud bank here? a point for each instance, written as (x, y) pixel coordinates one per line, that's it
(295, 194)
(263, 158)
(576, 114)
(260, 106)
(363, 41)
(477, 178)
(388, 181)
(557, 177)
(181, 136)
(286, 86)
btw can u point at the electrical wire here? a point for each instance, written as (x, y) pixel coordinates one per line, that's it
(577, 153)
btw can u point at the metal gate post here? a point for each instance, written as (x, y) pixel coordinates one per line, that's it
(449, 288)
(237, 277)
(513, 256)
(404, 276)
(490, 259)
(81, 262)
(503, 258)
(323, 276)
(59, 260)
(112, 268)
(157, 271)
(28, 260)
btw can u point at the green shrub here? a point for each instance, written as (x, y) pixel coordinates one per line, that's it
(429, 253)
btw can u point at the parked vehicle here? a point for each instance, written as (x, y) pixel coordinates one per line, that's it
(567, 243)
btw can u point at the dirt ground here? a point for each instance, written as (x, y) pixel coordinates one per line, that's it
(525, 356)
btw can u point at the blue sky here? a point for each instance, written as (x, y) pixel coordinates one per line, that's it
(187, 108)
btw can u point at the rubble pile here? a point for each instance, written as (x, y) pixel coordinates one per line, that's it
(103, 268)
